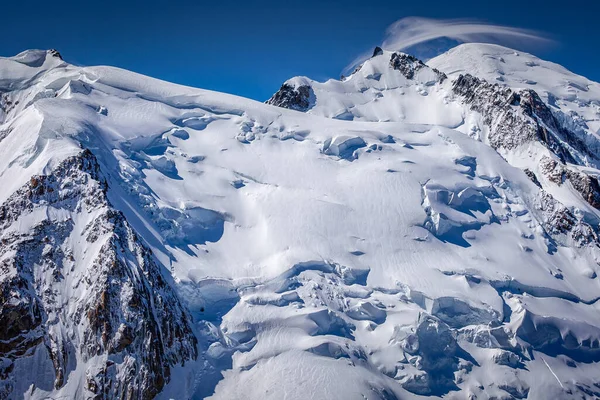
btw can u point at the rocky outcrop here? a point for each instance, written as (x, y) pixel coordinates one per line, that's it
(586, 185)
(559, 222)
(516, 118)
(55, 53)
(531, 175)
(111, 305)
(294, 98)
(559, 173)
(508, 128)
(7, 104)
(409, 65)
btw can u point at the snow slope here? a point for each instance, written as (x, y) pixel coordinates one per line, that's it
(370, 247)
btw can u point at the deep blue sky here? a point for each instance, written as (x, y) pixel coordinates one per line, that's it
(249, 47)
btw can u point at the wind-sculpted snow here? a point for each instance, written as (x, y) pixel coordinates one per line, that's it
(374, 246)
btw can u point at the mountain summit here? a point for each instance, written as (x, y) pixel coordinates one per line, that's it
(414, 229)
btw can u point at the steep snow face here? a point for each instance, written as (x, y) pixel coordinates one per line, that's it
(255, 251)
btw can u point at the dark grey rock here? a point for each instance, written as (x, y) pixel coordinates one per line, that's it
(287, 96)
(408, 65)
(55, 53)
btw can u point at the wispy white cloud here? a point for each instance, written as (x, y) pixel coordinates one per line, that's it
(411, 31)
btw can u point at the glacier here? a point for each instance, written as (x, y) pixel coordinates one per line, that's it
(411, 230)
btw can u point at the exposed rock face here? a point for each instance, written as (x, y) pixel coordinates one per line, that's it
(516, 118)
(111, 304)
(559, 173)
(495, 103)
(55, 53)
(561, 222)
(377, 51)
(6, 106)
(586, 185)
(294, 98)
(531, 175)
(409, 65)
(552, 169)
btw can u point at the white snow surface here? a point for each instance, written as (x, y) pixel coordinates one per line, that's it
(308, 246)
(375, 92)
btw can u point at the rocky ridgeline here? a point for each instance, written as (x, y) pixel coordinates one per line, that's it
(62, 304)
(55, 53)
(409, 65)
(517, 118)
(514, 118)
(294, 98)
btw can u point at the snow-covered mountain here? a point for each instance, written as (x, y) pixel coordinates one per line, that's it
(410, 230)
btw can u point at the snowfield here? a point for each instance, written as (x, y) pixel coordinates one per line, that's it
(395, 234)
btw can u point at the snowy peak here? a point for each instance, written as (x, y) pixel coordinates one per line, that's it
(409, 66)
(485, 60)
(25, 66)
(488, 97)
(574, 96)
(38, 58)
(390, 86)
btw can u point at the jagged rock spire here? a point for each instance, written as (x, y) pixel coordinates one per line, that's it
(55, 53)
